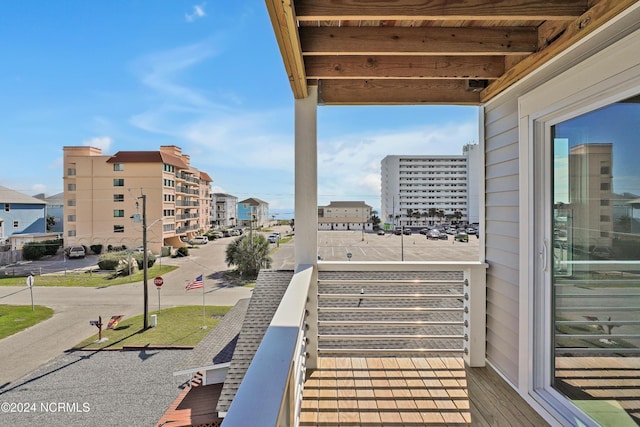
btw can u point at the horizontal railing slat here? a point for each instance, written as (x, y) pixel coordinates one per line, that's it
(390, 337)
(392, 296)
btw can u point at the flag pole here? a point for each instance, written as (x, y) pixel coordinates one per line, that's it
(204, 326)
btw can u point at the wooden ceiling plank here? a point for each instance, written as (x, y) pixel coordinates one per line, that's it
(409, 67)
(590, 21)
(396, 92)
(285, 28)
(327, 10)
(417, 41)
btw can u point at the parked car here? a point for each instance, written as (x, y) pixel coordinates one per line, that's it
(381, 232)
(76, 252)
(434, 234)
(397, 231)
(140, 250)
(215, 234)
(407, 231)
(471, 230)
(199, 240)
(461, 237)
(273, 238)
(424, 231)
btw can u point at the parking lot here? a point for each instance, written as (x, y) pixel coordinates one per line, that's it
(336, 245)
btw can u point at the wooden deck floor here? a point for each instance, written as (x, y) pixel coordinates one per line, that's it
(394, 391)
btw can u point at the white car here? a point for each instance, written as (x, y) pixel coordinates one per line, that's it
(199, 240)
(76, 252)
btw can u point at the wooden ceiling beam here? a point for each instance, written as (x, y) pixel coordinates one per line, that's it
(408, 67)
(597, 16)
(417, 41)
(286, 31)
(396, 92)
(331, 10)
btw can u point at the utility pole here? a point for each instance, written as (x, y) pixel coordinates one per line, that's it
(145, 262)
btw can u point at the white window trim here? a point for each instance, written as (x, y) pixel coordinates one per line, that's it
(610, 75)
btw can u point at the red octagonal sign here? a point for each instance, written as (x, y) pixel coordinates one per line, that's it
(158, 281)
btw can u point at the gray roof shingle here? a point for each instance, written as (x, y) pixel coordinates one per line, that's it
(218, 346)
(267, 294)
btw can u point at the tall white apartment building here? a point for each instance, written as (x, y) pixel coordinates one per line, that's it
(422, 190)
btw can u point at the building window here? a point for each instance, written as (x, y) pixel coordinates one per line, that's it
(118, 228)
(7, 207)
(71, 218)
(71, 233)
(604, 186)
(604, 170)
(16, 224)
(118, 167)
(71, 171)
(604, 202)
(118, 213)
(71, 187)
(605, 218)
(71, 202)
(118, 182)
(118, 197)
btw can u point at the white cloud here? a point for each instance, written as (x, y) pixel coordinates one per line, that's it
(198, 12)
(102, 142)
(349, 166)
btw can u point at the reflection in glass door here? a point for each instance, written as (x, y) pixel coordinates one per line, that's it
(596, 262)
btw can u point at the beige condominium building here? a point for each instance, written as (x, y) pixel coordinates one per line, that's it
(106, 197)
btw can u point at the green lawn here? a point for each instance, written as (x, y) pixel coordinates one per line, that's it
(14, 318)
(178, 326)
(88, 279)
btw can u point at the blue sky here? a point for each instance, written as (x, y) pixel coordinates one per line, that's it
(206, 76)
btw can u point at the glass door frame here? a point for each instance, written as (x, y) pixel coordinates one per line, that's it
(603, 79)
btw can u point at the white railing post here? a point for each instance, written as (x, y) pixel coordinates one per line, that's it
(475, 316)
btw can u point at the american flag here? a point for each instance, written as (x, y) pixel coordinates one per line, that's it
(195, 284)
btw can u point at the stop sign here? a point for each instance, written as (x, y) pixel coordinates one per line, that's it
(158, 281)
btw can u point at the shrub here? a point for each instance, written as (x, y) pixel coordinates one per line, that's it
(151, 259)
(182, 251)
(109, 261)
(96, 249)
(33, 251)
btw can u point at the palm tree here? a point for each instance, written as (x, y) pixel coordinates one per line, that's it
(249, 255)
(432, 213)
(409, 215)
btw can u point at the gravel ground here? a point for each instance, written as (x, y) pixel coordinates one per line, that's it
(105, 388)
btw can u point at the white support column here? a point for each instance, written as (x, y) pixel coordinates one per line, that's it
(306, 179)
(475, 317)
(306, 207)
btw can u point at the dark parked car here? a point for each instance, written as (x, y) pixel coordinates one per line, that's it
(434, 234)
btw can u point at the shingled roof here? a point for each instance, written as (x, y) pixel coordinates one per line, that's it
(147, 157)
(267, 294)
(218, 346)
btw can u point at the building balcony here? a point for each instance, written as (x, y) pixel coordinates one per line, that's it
(186, 177)
(187, 203)
(187, 190)
(183, 217)
(378, 344)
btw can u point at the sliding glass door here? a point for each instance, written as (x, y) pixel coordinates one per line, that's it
(592, 261)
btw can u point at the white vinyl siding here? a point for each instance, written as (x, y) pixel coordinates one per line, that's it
(501, 234)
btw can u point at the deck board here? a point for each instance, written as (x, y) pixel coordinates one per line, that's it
(390, 391)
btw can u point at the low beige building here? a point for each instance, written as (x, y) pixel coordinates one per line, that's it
(345, 215)
(105, 197)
